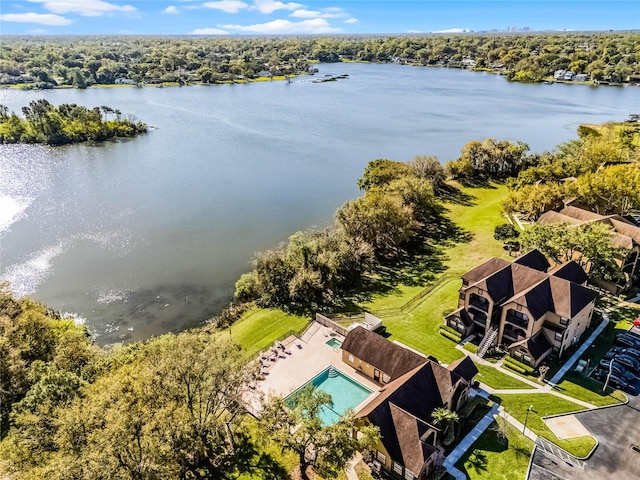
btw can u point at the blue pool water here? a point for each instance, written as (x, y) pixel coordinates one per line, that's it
(334, 343)
(346, 393)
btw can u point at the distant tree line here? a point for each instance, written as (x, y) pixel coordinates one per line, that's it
(46, 62)
(65, 124)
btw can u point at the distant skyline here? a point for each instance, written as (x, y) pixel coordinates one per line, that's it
(259, 17)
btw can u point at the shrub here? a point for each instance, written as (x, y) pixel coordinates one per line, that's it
(517, 366)
(445, 333)
(451, 330)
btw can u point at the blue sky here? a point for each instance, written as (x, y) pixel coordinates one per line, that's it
(254, 17)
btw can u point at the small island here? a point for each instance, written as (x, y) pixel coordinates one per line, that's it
(65, 124)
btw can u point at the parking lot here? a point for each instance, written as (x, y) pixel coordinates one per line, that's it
(617, 430)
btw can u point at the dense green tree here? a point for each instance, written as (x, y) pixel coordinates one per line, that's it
(68, 123)
(380, 220)
(505, 232)
(171, 411)
(381, 172)
(42, 356)
(614, 189)
(490, 159)
(531, 201)
(589, 245)
(299, 428)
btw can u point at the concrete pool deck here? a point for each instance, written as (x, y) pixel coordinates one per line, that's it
(307, 359)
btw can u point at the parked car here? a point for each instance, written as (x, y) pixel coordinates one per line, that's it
(629, 362)
(633, 352)
(617, 368)
(633, 334)
(627, 341)
(618, 382)
(615, 351)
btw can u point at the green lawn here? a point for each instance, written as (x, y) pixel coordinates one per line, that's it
(496, 379)
(587, 389)
(492, 458)
(259, 328)
(480, 218)
(545, 404)
(420, 327)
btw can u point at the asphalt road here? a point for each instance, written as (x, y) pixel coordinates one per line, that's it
(617, 430)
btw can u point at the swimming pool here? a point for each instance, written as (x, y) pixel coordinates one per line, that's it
(347, 394)
(334, 343)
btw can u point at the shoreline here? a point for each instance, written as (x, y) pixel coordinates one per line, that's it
(545, 81)
(29, 86)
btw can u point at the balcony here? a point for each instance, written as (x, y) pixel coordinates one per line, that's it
(514, 334)
(479, 302)
(517, 319)
(479, 317)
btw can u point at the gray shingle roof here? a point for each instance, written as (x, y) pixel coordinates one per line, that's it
(376, 350)
(534, 259)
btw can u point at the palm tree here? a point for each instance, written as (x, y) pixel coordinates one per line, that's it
(447, 419)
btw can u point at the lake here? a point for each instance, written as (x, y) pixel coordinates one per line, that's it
(149, 235)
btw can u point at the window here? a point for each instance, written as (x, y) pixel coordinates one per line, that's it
(526, 358)
(408, 475)
(480, 302)
(519, 307)
(381, 457)
(517, 354)
(397, 468)
(517, 318)
(555, 350)
(559, 336)
(565, 321)
(351, 358)
(385, 378)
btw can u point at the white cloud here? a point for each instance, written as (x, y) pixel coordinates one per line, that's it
(351, 20)
(31, 17)
(414, 31)
(228, 6)
(332, 12)
(312, 26)
(270, 6)
(86, 8)
(209, 31)
(171, 9)
(452, 30)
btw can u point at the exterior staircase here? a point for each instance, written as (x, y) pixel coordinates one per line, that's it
(487, 341)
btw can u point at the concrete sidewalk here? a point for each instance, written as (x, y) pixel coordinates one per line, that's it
(467, 441)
